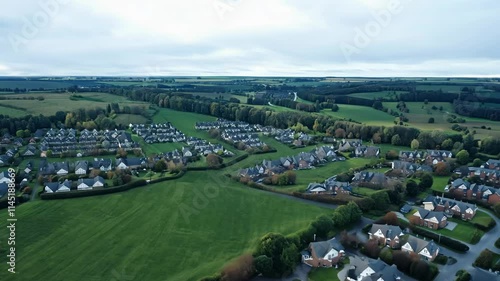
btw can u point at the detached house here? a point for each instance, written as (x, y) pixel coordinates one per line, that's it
(130, 163)
(430, 219)
(324, 253)
(389, 235)
(409, 168)
(435, 156)
(427, 250)
(375, 270)
(61, 168)
(85, 184)
(349, 145)
(81, 167)
(493, 164)
(104, 165)
(367, 151)
(369, 178)
(4, 177)
(29, 151)
(474, 191)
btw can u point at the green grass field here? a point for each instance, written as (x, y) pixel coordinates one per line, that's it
(61, 102)
(363, 114)
(439, 183)
(363, 190)
(389, 95)
(163, 231)
(482, 218)
(126, 119)
(324, 274)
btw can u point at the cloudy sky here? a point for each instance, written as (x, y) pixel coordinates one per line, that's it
(250, 37)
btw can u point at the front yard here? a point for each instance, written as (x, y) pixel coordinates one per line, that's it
(326, 273)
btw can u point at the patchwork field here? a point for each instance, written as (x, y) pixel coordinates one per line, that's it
(178, 230)
(61, 102)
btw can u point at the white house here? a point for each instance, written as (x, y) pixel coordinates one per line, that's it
(81, 167)
(86, 184)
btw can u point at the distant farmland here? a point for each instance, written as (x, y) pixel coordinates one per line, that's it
(53, 102)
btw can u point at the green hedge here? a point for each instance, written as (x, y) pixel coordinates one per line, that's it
(94, 192)
(178, 175)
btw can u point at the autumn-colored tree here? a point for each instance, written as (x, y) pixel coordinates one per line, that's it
(239, 269)
(372, 249)
(391, 218)
(213, 160)
(442, 169)
(340, 133)
(402, 260)
(414, 220)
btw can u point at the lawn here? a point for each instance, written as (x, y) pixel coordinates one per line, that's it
(324, 274)
(363, 114)
(162, 231)
(439, 183)
(12, 112)
(126, 119)
(482, 218)
(363, 190)
(54, 102)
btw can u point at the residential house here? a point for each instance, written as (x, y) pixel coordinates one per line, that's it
(186, 152)
(435, 156)
(104, 165)
(369, 178)
(325, 253)
(86, 184)
(47, 168)
(29, 167)
(462, 188)
(430, 219)
(386, 235)
(349, 145)
(4, 177)
(455, 208)
(372, 270)
(130, 163)
(61, 168)
(490, 176)
(29, 151)
(4, 160)
(4, 189)
(406, 209)
(81, 167)
(409, 168)
(51, 187)
(411, 155)
(367, 151)
(427, 250)
(493, 164)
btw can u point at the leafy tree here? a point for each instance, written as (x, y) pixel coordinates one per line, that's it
(463, 157)
(160, 166)
(371, 248)
(340, 133)
(490, 145)
(335, 107)
(411, 188)
(414, 144)
(402, 260)
(477, 162)
(442, 169)
(496, 208)
(323, 225)
(419, 269)
(447, 144)
(391, 155)
(386, 256)
(263, 264)
(426, 181)
(283, 253)
(213, 160)
(431, 120)
(381, 199)
(462, 275)
(396, 140)
(484, 260)
(20, 133)
(391, 218)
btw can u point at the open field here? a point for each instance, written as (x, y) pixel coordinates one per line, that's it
(390, 95)
(363, 114)
(157, 232)
(61, 102)
(12, 112)
(126, 119)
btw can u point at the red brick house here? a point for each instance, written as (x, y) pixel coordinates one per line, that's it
(430, 219)
(323, 254)
(450, 207)
(386, 235)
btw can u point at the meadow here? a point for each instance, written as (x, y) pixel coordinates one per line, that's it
(176, 230)
(54, 102)
(363, 114)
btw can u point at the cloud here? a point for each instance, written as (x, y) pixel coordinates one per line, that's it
(251, 37)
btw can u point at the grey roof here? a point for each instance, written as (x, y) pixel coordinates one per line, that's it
(418, 244)
(4, 187)
(54, 186)
(81, 165)
(323, 247)
(389, 231)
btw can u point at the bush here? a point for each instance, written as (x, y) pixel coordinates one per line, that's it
(386, 255)
(484, 260)
(462, 275)
(441, 259)
(497, 243)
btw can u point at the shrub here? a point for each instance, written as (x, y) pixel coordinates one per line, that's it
(386, 255)
(484, 260)
(441, 259)
(497, 243)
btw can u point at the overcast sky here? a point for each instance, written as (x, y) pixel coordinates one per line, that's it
(250, 37)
